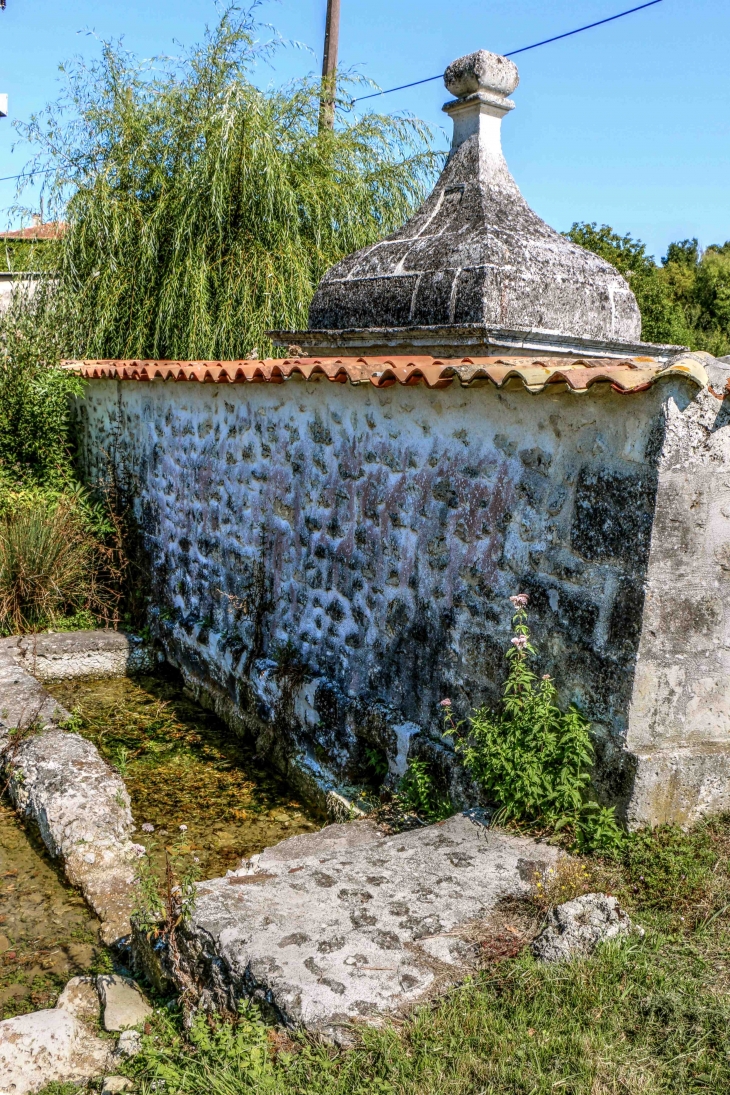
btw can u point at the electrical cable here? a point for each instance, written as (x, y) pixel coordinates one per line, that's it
(24, 174)
(514, 52)
(430, 79)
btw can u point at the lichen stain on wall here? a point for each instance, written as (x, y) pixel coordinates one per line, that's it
(371, 539)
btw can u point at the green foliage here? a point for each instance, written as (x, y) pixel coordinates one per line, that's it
(665, 868)
(375, 765)
(26, 255)
(419, 793)
(34, 399)
(47, 565)
(222, 1056)
(532, 759)
(686, 300)
(202, 210)
(165, 900)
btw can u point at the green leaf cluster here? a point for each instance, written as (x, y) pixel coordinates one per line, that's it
(534, 760)
(35, 410)
(419, 792)
(202, 210)
(685, 300)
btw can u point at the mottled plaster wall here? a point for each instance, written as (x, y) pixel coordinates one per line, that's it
(331, 560)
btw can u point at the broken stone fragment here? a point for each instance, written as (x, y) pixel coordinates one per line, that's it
(123, 1003)
(57, 1044)
(113, 1085)
(575, 929)
(129, 1044)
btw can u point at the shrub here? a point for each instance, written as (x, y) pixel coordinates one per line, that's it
(48, 565)
(35, 399)
(418, 792)
(532, 759)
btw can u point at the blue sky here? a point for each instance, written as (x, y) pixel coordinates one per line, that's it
(628, 124)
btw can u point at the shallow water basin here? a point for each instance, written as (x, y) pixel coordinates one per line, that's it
(47, 932)
(184, 767)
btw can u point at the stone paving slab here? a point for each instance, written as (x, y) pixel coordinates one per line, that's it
(349, 924)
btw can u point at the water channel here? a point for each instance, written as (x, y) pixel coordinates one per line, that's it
(182, 767)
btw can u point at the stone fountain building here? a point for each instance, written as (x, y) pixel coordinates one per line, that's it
(332, 538)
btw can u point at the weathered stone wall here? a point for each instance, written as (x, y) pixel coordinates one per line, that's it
(679, 724)
(331, 560)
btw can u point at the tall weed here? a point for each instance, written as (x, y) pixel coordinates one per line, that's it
(419, 793)
(532, 759)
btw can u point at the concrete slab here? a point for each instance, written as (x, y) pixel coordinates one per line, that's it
(348, 924)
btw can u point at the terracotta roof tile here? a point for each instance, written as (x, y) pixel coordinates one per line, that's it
(51, 230)
(579, 374)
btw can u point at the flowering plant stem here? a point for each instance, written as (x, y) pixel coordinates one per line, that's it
(533, 760)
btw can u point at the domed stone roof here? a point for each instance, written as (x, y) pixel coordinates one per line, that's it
(475, 253)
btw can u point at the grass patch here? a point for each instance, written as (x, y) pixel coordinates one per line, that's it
(642, 1016)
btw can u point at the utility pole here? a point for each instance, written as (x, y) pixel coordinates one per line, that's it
(329, 66)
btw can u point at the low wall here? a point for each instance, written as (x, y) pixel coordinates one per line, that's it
(330, 560)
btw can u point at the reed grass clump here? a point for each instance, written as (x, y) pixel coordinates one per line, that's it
(47, 566)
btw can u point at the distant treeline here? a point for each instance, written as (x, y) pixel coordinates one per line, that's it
(686, 300)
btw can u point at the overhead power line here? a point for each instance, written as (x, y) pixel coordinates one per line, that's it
(439, 76)
(514, 52)
(26, 174)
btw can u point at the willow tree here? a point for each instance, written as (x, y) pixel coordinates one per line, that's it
(203, 210)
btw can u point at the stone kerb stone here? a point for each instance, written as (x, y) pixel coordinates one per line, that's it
(59, 780)
(78, 654)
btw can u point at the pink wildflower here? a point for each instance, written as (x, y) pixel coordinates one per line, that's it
(183, 828)
(520, 641)
(148, 828)
(520, 600)
(139, 849)
(445, 703)
(546, 676)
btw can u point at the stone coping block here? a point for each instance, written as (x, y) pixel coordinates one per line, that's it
(64, 655)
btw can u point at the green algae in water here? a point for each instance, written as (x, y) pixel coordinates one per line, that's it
(183, 766)
(47, 932)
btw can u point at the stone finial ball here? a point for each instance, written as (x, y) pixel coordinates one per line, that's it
(481, 71)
